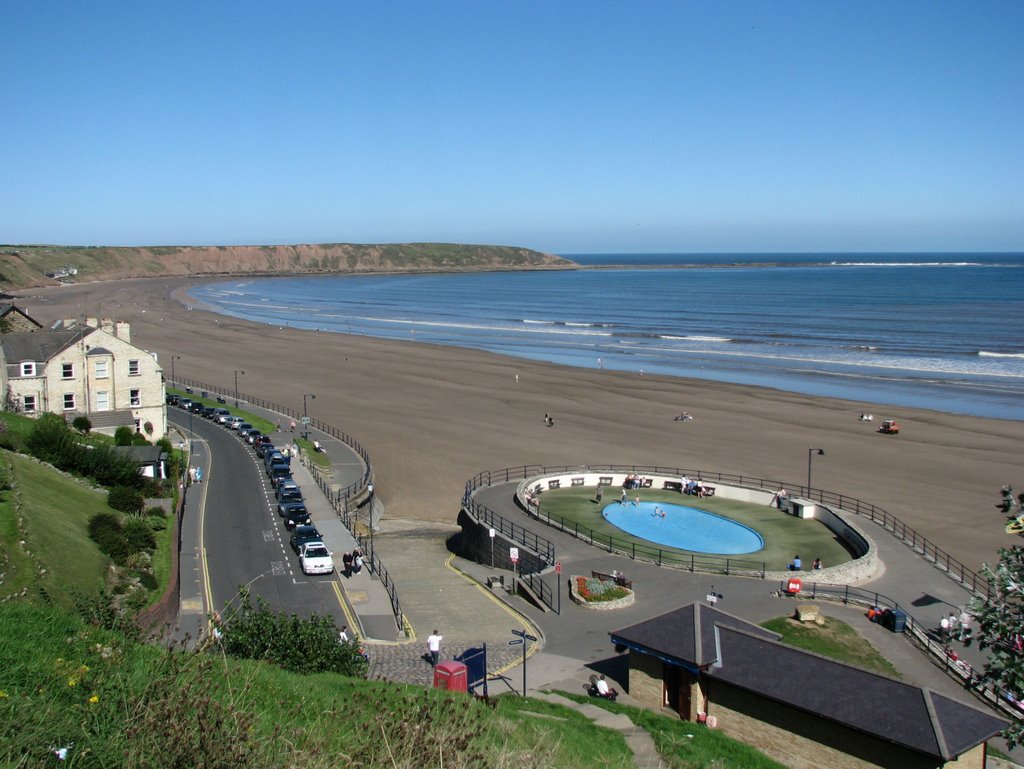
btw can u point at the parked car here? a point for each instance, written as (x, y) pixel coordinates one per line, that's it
(315, 558)
(220, 414)
(263, 448)
(303, 534)
(279, 474)
(274, 456)
(196, 407)
(252, 436)
(171, 400)
(185, 403)
(208, 412)
(233, 422)
(244, 428)
(288, 490)
(294, 514)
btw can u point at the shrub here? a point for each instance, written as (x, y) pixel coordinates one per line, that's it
(103, 521)
(148, 581)
(82, 424)
(138, 439)
(296, 644)
(139, 535)
(126, 499)
(106, 531)
(123, 436)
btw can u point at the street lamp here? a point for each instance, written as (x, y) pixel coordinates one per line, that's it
(810, 462)
(173, 380)
(237, 372)
(305, 415)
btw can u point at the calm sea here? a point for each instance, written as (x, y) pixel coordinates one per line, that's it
(937, 331)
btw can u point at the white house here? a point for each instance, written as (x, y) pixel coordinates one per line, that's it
(92, 370)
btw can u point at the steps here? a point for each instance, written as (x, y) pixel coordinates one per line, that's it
(645, 756)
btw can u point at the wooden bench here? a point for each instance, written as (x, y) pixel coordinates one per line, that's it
(578, 481)
(672, 486)
(647, 483)
(554, 484)
(604, 480)
(619, 580)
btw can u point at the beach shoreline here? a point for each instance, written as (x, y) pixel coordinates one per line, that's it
(432, 416)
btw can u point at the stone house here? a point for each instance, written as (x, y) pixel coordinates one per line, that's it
(90, 370)
(800, 708)
(15, 319)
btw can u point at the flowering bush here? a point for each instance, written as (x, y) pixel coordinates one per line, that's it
(593, 589)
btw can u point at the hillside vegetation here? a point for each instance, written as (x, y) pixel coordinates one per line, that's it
(23, 266)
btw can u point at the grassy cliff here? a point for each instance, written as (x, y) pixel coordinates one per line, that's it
(26, 266)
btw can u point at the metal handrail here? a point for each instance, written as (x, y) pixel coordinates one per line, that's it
(928, 550)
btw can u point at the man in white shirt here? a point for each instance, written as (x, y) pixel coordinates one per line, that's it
(434, 645)
(602, 687)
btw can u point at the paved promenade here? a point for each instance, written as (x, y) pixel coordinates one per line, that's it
(439, 590)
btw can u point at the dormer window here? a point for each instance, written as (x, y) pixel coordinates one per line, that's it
(28, 368)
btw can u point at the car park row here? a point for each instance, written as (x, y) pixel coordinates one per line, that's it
(306, 540)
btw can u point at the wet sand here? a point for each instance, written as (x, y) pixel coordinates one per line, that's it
(431, 417)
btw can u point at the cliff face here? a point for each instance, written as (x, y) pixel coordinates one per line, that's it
(30, 266)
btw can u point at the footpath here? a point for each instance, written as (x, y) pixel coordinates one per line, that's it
(437, 590)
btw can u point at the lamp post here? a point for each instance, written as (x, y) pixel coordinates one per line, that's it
(305, 415)
(810, 462)
(237, 372)
(174, 381)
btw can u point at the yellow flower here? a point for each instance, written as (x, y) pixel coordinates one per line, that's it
(72, 682)
(3, 694)
(93, 699)
(83, 669)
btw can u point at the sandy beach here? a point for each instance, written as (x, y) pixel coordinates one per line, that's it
(431, 417)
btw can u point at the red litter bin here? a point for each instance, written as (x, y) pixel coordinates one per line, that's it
(451, 676)
(793, 586)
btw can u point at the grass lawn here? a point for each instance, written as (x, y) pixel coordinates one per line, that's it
(835, 639)
(784, 535)
(55, 510)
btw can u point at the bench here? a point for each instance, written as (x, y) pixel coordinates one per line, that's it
(672, 486)
(554, 484)
(647, 483)
(578, 481)
(604, 480)
(619, 580)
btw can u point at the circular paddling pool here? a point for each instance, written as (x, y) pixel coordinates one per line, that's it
(684, 528)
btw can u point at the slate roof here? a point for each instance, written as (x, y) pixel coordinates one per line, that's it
(143, 454)
(39, 346)
(6, 308)
(752, 659)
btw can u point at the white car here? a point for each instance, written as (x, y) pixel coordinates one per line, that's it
(316, 559)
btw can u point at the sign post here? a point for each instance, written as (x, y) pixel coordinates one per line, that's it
(522, 637)
(558, 579)
(513, 555)
(491, 533)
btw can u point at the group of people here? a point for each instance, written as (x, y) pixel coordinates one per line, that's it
(955, 627)
(867, 417)
(779, 499)
(633, 481)
(797, 565)
(195, 474)
(696, 488)
(352, 563)
(683, 417)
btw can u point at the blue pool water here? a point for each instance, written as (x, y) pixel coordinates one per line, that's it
(685, 528)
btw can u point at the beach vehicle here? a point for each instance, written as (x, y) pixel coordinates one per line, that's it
(889, 427)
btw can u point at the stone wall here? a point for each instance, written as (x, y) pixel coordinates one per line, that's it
(646, 684)
(802, 741)
(476, 545)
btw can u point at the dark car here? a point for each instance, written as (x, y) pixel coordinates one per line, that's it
(288, 489)
(262, 448)
(279, 474)
(172, 400)
(207, 412)
(252, 436)
(294, 514)
(196, 407)
(303, 534)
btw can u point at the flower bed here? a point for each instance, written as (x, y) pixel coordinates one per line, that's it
(593, 593)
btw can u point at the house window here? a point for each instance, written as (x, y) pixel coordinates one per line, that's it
(28, 404)
(136, 397)
(134, 369)
(67, 370)
(69, 401)
(101, 369)
(28, 369)
(102, 401)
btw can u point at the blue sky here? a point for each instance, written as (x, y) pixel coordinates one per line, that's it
(568, 127)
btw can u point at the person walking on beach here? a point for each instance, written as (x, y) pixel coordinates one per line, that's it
(434, 647)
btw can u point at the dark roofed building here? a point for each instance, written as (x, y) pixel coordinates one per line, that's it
(800, 708)
(15, 319)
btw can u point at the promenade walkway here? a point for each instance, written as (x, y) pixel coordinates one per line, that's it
(439, 590)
